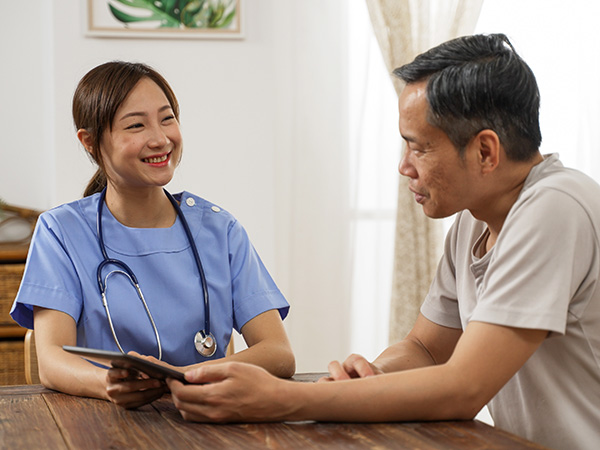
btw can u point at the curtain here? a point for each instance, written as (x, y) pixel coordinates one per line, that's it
(405, 28)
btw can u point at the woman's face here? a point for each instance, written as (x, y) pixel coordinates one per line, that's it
(144, 146)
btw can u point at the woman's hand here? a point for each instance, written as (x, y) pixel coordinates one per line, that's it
(129, 389)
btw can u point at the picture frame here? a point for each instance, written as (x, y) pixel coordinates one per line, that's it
(179, 19)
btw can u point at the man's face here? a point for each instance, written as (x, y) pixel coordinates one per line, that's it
(439, 178)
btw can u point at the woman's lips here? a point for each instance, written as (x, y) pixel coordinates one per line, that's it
(157, 160)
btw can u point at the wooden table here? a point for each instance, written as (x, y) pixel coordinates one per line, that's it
(36, 417)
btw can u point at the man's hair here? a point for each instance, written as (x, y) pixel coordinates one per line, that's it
(480, 82)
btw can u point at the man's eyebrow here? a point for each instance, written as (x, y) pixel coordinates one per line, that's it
(408, 138)
(143, 114)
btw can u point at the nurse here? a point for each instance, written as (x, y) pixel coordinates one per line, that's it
(182, 250)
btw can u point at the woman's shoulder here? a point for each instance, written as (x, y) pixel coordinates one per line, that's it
(190, 202)
(207, 215)
(82, 210)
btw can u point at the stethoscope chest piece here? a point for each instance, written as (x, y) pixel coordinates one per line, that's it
(205, 344)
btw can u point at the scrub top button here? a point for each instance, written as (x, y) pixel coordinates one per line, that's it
(216, 209)
(190, 201)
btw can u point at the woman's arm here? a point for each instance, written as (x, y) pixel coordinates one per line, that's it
(65, 372)
(268, 346)
(58, 369)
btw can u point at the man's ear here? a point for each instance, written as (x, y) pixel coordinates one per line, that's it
(86, 140)
(487, 144)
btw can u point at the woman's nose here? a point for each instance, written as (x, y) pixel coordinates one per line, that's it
(158, 138)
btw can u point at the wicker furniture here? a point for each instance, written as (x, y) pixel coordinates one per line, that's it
(12, 369)
(12, 264)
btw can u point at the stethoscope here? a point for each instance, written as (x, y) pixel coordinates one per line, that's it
(204, 341)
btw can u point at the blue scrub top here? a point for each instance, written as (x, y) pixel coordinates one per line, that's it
(60, 274)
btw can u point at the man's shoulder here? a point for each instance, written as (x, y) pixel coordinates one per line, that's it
(567, 185)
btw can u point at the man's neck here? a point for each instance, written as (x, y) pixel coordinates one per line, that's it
(509, 180)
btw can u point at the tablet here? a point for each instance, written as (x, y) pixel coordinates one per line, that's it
(124, 361)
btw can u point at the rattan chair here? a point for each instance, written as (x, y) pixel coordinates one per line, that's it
(31, 366)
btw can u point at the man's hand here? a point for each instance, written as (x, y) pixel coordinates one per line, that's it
(231, 392)
(355, 366)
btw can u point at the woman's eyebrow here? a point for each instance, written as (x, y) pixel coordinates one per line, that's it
(143, 113)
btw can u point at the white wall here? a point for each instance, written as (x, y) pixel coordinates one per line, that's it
(264, 128)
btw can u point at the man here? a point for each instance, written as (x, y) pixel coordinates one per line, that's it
(512, 318)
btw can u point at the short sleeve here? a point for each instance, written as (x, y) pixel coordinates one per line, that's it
(541, 261)
(441, 305)
(253, 289)
(49, 280)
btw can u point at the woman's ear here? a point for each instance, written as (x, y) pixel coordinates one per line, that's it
(489, 148)
(86, 140)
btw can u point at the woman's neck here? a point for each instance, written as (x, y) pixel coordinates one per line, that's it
(143, 208)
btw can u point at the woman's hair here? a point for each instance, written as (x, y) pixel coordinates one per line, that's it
(480, 82)
(97, 98)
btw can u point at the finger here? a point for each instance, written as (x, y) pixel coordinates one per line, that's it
(359, 366)
(116, 375)
(208, 374)
(125, 385)
(174, 385)
(136, 399)
(337, 372)
(189, 400)
(192, 393)
(325, 379)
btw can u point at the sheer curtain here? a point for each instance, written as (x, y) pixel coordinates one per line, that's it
(405, 28)
(374, 145)
(563, 50)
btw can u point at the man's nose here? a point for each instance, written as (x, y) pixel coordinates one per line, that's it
(405, 167)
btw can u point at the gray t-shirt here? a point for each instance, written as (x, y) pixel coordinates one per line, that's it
(542, 273)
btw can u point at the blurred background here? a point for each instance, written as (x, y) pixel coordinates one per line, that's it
(291, 127)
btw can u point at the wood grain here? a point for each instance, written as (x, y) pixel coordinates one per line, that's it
(26, 422)
(35, 417)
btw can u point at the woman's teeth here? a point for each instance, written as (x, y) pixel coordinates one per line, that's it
(156, 160)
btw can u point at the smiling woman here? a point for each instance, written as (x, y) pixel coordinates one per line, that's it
(151, 245)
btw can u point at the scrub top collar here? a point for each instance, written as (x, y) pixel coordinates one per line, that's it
(123, 240)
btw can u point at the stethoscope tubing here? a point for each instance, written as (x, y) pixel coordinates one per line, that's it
(196, 258)
(127, 271)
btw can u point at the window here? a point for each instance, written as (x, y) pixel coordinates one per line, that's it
(375, 151)
(562, 50)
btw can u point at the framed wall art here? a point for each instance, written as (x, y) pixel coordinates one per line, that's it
(204, 19)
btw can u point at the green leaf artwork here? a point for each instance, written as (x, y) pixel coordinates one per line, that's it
(175, 13)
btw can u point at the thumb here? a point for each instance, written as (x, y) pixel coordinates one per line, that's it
(207, 374)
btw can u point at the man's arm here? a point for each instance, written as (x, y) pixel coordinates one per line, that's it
(486, 356)
(427, 344)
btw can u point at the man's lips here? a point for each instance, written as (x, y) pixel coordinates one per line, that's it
(419, 198)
